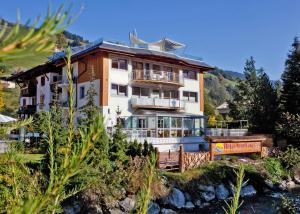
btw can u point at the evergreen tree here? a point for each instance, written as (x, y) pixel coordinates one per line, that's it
(90, 109)
(255, 100)
(243, 96)
(264, 112)
(290, 96)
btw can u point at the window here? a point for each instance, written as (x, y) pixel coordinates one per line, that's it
(140, 92)
(137, 66)
(42, 81)
(24, 102)
(171, 94)
(156, 68)
(142, 123)
(190, 96)
(190, 74)
(119, 64)
(120, 90)
(42, 100)
(81, 92)
(55, 78)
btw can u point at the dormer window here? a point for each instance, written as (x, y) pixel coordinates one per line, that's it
(119, 64)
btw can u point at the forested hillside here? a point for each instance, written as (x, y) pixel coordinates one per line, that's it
(219, 86)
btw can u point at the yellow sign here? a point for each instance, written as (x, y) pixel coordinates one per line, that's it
(219, 147)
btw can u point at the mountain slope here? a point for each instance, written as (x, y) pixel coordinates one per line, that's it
(219, 86)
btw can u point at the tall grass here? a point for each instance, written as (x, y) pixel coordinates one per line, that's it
(235, 203)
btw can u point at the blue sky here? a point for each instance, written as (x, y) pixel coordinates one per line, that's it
(223, 33)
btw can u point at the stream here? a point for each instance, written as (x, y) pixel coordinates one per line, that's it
(259, 204)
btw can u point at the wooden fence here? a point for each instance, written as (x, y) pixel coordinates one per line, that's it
(181, 160)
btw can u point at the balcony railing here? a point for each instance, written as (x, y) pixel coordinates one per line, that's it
(157, 103)
(28, 109)
(157, 76)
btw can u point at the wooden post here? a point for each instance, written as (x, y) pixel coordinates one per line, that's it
(157, 157)
(181, 159)
(211, 151)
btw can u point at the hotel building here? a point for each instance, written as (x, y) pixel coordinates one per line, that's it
(157, 94)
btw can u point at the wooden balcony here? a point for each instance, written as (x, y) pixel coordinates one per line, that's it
(157, 103)
(28, 91)
(157, 77)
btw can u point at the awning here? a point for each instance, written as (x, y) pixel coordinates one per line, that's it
(6, 119)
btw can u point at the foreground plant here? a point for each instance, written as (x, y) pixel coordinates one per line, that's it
(235, 203)
(145, 194)
(43, 192)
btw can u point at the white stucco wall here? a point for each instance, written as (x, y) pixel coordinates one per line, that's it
(192, 86)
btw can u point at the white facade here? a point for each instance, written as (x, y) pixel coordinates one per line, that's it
(128, 103)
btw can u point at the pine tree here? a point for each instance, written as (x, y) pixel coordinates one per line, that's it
(255, 100)
(290, 97)
(90, 109)
(243, 96)
(264, 112)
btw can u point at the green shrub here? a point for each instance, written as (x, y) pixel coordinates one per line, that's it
(290, 157)
(274, 168)
(223, 157)
(254, 156)
(234, 158)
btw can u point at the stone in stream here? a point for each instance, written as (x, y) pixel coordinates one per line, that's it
(167, 211)
(206, 188)
(127, 204)
(297, 176)
(221, 192)
(176, 199)
(290, 185)
(208, 196)
(74, 208)
(270, 184)
(153, 208)
(198, 203)
(189, 205)
(116, 211)
(187, 196)
(282, 185)
(208, 192)
(248, 191)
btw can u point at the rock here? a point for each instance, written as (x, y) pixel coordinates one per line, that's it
(208, 192)
(127, 204)
(269, 184)
(206, 188)
(74, 208)
(248, 191)
(187, 196)
(167, 211)
(208, 196)
(290, 184)
(204, 205)
(153, 208)
(198, 203)
(282, 186)
(221, 192)
(189, 205)
(275, 194)
(116, 211)
(297, 176)
(176, 199)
